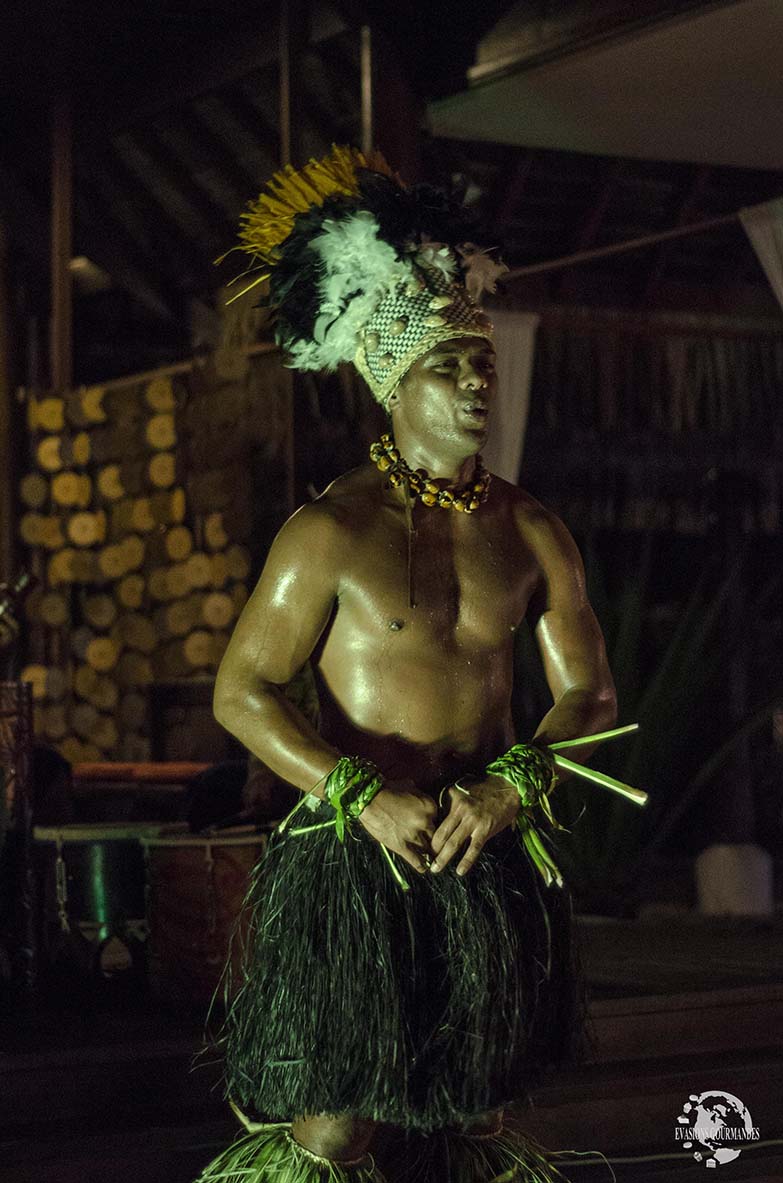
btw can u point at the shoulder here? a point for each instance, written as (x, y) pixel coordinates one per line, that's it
(352, 502)
(544, 534)
(537, 523)
(320, 528)
(353, 492)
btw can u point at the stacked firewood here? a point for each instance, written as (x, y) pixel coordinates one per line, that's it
(137, 518)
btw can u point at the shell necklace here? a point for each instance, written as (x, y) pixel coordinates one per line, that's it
(418, 482)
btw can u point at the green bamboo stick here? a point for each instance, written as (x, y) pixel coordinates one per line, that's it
(308, 829)
(599, 737)
(638, 796)
(394, 870)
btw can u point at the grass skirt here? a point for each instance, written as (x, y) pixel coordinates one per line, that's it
(419, 1008)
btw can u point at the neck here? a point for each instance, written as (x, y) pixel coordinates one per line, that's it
(439, 465)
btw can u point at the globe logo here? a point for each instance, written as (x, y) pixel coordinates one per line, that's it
(718, 1124)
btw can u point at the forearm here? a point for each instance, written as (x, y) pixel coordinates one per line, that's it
(577, 712)
(273, 729)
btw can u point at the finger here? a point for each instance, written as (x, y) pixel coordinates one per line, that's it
(412, 855)
(447, 852)
(424, 841)
(471, 854)
(430, 808)
(444, 831)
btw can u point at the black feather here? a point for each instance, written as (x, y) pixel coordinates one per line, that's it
(293, 286)
(404, 216)
(408, 215)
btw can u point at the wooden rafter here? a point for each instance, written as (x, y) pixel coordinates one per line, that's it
(514, 189)
(113, 249)
(342, 79)
(314, 112)
(341, 57)
(293, 41)
(253, 122)
(61, 222)
(592, 223)
(203, 141)
(588, 231)
(26, 219)
(176, 176)
(106, 172)
(208, 67)
(10, 454)
(685, 214)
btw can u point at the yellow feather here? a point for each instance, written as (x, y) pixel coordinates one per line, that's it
(268, 221)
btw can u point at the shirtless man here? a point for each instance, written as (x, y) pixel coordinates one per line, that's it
(424, 692)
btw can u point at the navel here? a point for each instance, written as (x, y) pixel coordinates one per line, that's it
(396, 624)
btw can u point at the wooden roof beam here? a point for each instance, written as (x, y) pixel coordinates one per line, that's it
(685, 214)
(176, 176)
(318, 116)
(26, 219)
(219, 153)
(514, 189)
(212, 63)
(105, 165)
(253, 123)
(594, 220)
(114, 249)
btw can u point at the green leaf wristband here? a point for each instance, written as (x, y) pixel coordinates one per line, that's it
(349, 789)
(531, 771)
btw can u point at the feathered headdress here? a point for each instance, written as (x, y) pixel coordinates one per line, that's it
(363, 268)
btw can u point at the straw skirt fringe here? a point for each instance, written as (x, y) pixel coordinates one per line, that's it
(419, 1008)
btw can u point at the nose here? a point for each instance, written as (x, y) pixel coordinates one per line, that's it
(473, 378)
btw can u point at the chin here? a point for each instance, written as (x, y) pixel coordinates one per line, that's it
(477, 436)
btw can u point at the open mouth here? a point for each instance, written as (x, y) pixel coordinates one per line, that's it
(478, 412)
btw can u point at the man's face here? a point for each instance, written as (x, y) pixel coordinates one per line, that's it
(447, 395)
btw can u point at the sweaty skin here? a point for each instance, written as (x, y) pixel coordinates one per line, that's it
(423, 691)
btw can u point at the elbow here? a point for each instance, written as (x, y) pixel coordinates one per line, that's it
(220, 708)
(598, 704)
(224, 701)
(238, 699)
(606, 705)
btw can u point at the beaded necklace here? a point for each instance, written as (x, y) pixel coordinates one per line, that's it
(387, 458)
(418, 484)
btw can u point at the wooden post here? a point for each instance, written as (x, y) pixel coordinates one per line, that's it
(293, 43)
(397, 110)
(61, 349)
(365, 57)
(7, 450)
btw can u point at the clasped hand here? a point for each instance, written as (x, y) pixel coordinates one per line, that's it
(405, 821)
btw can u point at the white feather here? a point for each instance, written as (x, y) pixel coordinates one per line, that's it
(438, 257)
(481, 270)
(359, 268)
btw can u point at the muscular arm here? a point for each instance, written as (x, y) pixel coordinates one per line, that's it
(576, 668)
(570, 642)
(275, 635)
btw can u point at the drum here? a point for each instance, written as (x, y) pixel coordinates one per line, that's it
(197, 886)
(92, 891)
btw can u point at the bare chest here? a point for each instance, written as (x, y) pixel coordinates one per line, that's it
(461, 583)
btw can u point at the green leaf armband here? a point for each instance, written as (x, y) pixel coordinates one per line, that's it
(349, 789)
(531, 770)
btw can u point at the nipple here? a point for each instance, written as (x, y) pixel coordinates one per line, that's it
(396, 625)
